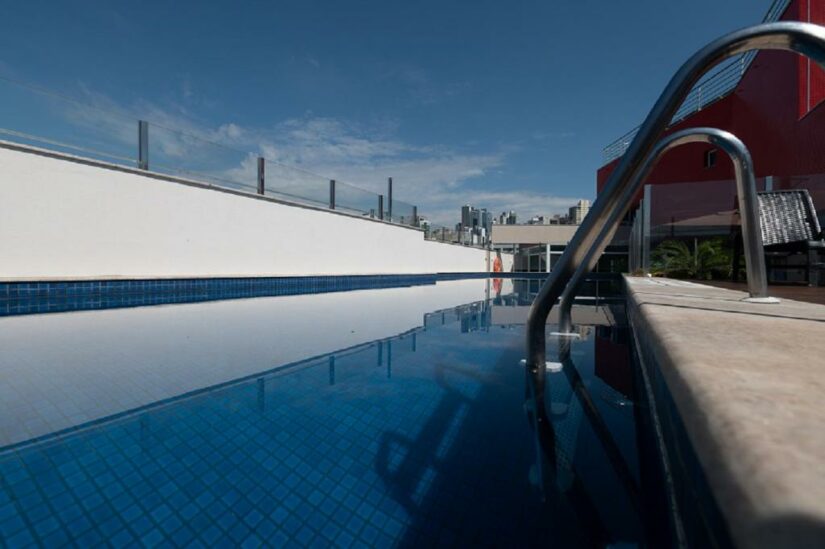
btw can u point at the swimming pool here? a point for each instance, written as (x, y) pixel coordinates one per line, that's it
(378, 417)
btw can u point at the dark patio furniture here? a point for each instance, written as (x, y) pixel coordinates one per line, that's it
(790, 227)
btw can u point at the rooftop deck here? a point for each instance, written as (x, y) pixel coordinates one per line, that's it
(795, 292)
(747, 381)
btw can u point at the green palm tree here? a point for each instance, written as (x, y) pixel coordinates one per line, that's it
(674, 258)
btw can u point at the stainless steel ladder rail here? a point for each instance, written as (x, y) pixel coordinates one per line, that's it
(804, 38)
(748, 208)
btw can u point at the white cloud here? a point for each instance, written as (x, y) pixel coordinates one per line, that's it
(308, 151)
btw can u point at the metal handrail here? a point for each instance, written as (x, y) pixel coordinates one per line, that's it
(712, 87)
(748, 210)
(803, 38)
(705, 93)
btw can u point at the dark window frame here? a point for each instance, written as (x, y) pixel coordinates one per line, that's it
(710, 158)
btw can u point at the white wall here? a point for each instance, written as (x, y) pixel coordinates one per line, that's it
(533, 234)
(61, 219)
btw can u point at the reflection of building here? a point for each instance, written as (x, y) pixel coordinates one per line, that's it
(511, 305)
(613, 359)
(473, 317)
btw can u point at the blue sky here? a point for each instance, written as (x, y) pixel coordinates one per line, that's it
(506, 105)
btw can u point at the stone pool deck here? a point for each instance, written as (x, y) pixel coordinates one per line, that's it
(748, 382)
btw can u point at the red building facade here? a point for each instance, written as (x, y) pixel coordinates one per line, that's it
(777, 109)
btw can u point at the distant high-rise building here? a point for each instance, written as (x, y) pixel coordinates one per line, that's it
(487, 221)
(579, 211)
(511, 218)
(476, 225)
(467, 215)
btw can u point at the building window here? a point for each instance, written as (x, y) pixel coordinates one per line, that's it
(710, 158)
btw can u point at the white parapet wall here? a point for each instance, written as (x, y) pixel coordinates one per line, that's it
(67, 218)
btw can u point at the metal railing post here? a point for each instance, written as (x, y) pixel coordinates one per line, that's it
(415, 216)
(380, 206)
(645, 230)
(331, 194)
(547, 258)
(599, 226)
(143, 145)
(389, 199)
(261, 175)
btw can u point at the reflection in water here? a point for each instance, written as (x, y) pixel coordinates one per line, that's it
(556, 436)
(414, 439)
(554, 470)
(521, 292)
(407, 465)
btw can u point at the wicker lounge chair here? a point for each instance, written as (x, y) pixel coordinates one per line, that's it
(790, 227)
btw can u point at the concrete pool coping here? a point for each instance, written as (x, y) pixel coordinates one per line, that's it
(747, 381)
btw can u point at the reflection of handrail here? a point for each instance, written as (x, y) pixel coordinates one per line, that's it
(803, 38)
(546, 451)
(404, 478)
(600, 428)
(748, 208)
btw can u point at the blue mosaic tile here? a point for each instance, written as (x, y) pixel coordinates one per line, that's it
(366, 461)
(18, 298)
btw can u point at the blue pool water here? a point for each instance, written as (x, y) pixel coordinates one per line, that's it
(386, 417)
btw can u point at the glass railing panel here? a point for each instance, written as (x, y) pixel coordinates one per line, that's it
(191, 156)
(402, 213)
(295, 185)
(37, 117)
(354, 200)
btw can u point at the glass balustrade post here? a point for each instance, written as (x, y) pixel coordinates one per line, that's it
(389, 199)
(261, 175)
(143, 145)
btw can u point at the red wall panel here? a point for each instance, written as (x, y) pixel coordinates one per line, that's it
(811, 77)
(768, 111)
